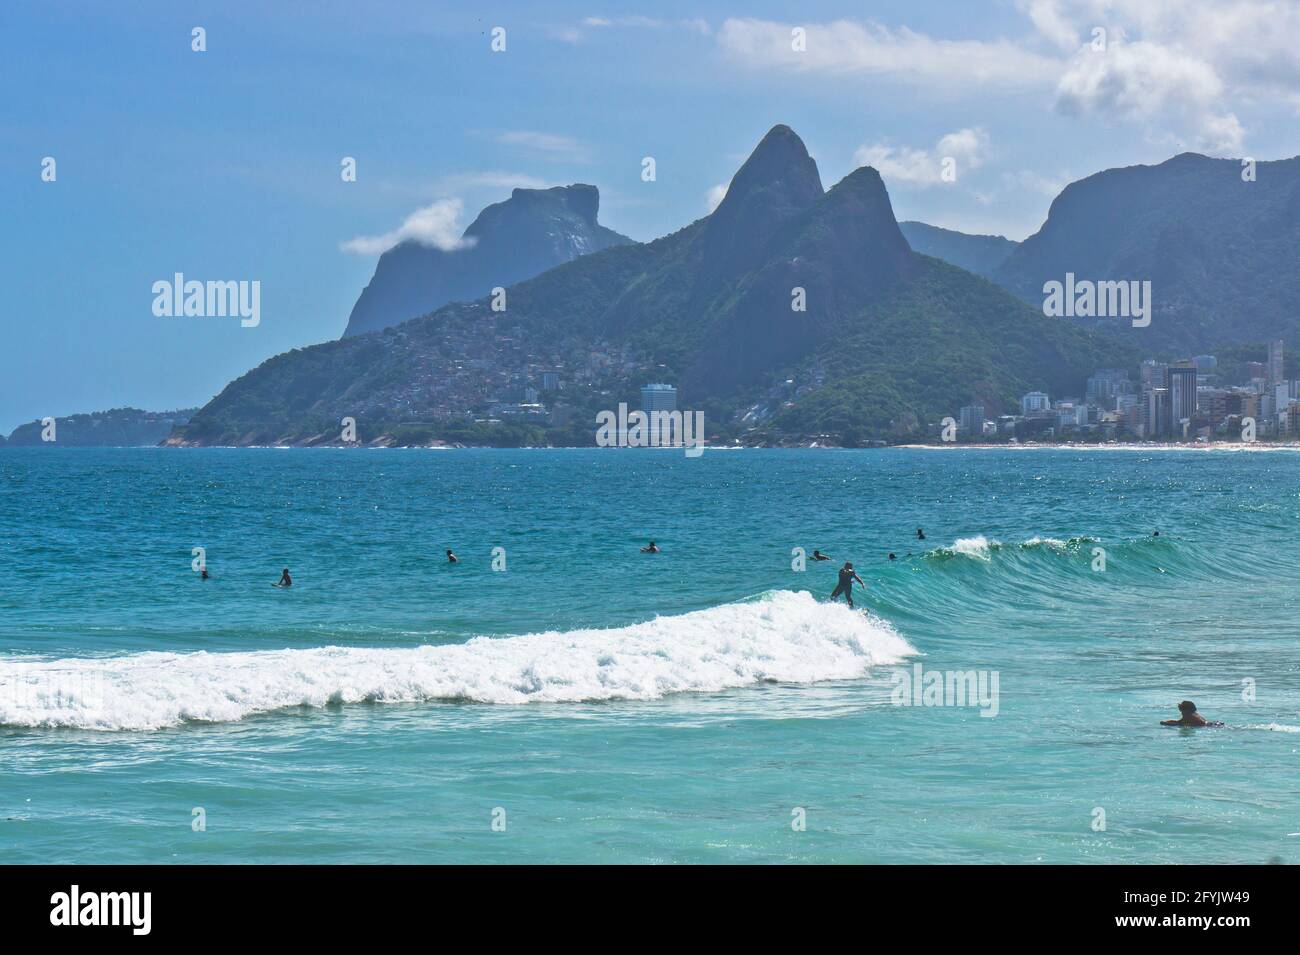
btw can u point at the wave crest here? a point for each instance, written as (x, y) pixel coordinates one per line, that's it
(784, 637)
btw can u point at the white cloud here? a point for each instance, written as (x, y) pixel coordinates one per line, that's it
(967, 148)
(715, 195)
(549, 145)
(1027, 180)
(846, 47)
(1182, 70)
(437, 225)
(580, 32)
(1047, 17)
(1177, 67)
(1151, 83)
(568, 34)
(1221, 135)
(490, 179)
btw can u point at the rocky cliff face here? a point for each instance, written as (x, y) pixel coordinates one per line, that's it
(532, 231)
(1220, 251)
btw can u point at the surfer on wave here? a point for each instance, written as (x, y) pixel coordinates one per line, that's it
(845, 586)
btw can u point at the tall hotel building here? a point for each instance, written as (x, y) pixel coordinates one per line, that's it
(1182, 395)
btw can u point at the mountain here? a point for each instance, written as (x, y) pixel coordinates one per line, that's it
(532, 231)
(887, 341)
(981, 254)
(1220, 252)
(121, 428)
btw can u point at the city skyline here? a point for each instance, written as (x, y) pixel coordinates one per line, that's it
(1180, 401)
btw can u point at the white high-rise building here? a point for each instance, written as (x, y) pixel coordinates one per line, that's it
(970, 420)
(1035, 401)
(658, 398)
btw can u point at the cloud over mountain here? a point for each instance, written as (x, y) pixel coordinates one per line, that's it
(436, 226)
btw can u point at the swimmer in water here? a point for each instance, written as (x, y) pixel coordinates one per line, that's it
(285, 579)
(452, 558)
(920, 534)
(651, 548)
(1189, 717)
(818, 555)
(845, 586)
(203, 574)
(892, 557)
(1155, 533)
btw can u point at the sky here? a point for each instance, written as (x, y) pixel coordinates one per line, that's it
(225, 163)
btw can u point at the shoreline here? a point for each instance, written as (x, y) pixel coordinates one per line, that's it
(1247, 446)
(1234, 446)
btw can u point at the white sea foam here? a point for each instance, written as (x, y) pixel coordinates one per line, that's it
(784, 636)
(1277, 728)
(973, 546)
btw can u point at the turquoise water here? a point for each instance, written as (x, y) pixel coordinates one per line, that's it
(679, 707)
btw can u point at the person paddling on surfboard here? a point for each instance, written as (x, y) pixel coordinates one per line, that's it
(845, 586)
(818, 555)
(452, 558)
(651, 548)
(1189, 717)
(285, 579)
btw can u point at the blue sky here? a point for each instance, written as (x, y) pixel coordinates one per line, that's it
(225, 164)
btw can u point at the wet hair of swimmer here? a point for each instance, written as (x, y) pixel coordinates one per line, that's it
(1187, 707)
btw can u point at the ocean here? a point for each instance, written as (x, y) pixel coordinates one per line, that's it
(560, 697)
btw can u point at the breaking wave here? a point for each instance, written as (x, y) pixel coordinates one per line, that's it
(781, 636)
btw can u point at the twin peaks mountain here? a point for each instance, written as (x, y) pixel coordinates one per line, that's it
(794, 308)
(532, 231)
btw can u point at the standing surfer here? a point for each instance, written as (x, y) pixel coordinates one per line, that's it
(845, 586)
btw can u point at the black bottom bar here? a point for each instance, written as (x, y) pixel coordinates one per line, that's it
(322, 904)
